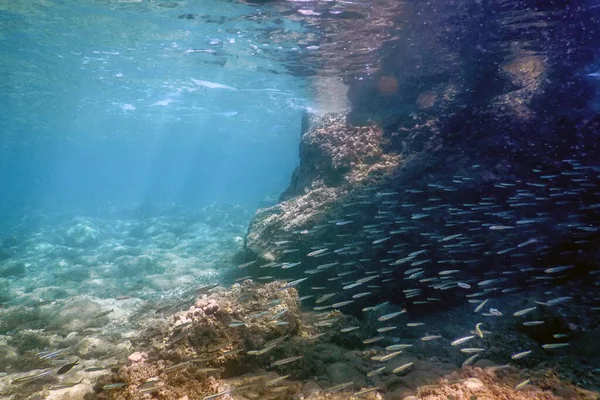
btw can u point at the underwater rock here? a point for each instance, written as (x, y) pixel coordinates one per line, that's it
(75, 273)
(6, 254)
(20, 317)
(9, 241)
(76, 315)
(137, 357)
(118, 251)
(26, 340)
(136, 265)
(164, 282)
(311, 388)
(340, 372)
(8, 355)
(94, 347)
(166, 240)
(473, 383)
(5, 292)
(82, 235)
(12, 268)
(335, 158)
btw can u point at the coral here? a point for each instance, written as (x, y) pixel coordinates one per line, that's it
(336, 159)
(201, 351)
(341, 145)
(485, 383)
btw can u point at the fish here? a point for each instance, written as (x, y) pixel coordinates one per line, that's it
(398, 347)
(30, 378)
(103, 313)
(64, 385)
(386, 357)
(287, 360)
(555, 270)
(116, 385)
(211, 85)
(522, 384)
(470, 360)
(276, 380)
(373, 339)
(389, 316)
(66, 368)
(247, 264)
(532, 323)
(481, 305)
(349, 329)
(337, 387)
(522, 354)
(524, 311)
(402, 367)
(478, 330)
(342, 303)
(219, 394)
(381, 240)
(261, 351)
(554, 345)
(365, 391)
(94, 369)
(430, 337)
(316, 252)
(471, 350)
(376, 371)
(176, 366)
(462, 340)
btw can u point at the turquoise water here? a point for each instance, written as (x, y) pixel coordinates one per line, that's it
(101, 108)
(318, 200)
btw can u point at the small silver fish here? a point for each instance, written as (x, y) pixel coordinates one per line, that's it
(522, 384)
(402, 367)
(522, 354)
(462, 340)
(389, 316)
(337, 387)
(373, 339)
(524, 311)
(276, 380)
(287, 360)
(554, 345)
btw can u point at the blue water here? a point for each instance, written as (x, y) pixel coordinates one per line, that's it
(451, 197)
(100, 109)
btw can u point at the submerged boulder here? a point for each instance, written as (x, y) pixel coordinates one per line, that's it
(12, 268)
(165, 240)
(138, 265)
(83, 234)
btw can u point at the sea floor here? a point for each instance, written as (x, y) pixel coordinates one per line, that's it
(148, 307)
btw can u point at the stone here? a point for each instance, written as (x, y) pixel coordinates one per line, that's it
(340, 372)
(82, 235)
(13, 268)
(166, 240)
(473, 384)
(135, 266)
(310, 388)
(136, 357)
(8, 355)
